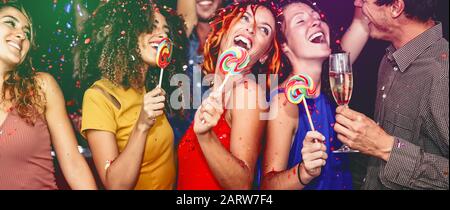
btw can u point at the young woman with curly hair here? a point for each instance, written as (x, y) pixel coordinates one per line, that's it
(33, 115)
(127, 128)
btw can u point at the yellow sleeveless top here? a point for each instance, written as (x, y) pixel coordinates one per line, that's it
(99, 113)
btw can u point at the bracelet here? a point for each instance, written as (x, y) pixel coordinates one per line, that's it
(108, 164)
(298, 174)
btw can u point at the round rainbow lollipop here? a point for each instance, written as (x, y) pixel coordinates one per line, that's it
(298, 89)
(232, 62)
(164, 56)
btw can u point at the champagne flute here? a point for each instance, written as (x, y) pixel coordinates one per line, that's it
(341, 82)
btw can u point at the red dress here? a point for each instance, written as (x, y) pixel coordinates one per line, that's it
(193, 170)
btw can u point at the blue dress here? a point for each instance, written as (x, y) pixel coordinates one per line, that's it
(335, 174)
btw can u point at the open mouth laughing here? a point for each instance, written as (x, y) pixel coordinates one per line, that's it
(243, 42)
(205, 3)
(317, 38)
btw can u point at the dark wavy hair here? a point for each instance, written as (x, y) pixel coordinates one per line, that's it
(420, 10)
(224, 20)
(20, 87)
(286, 64)
(177, 33)
(109, 45)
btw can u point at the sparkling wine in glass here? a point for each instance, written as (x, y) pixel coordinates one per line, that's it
(341, 82)
(342, 87)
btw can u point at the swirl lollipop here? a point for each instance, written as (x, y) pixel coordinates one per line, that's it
(298, 89)
(232, 62)
(164, 56)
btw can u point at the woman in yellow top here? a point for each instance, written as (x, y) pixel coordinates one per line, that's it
(128, 133)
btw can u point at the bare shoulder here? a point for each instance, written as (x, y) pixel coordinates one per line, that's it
(46, 81)
(282, 109)
(49, 88)
(250, 94)
(281, 102)
(247, 84)
(247, 87)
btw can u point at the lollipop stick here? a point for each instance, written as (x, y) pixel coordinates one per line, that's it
(221, 88)
(224, 83)
(161, 77)
(310, 119)
(309, 115)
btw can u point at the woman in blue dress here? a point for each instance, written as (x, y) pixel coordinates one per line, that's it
(293, 158)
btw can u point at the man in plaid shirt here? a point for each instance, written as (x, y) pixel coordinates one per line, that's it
(408, 141)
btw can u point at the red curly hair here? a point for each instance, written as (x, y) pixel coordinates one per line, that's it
(225, 19)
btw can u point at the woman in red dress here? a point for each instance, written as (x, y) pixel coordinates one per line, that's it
(220, 149)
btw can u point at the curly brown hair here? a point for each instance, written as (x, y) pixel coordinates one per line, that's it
(110, 43)
(224, 20)
(20, 87)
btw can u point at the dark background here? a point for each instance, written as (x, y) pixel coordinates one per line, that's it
(56, 37)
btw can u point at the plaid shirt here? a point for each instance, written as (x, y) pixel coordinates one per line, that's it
(412, 105)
